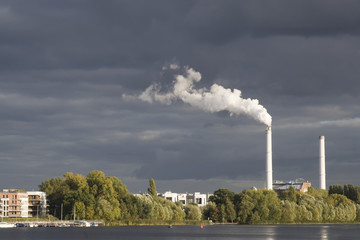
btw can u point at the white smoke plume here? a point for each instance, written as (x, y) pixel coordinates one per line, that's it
(216, 99)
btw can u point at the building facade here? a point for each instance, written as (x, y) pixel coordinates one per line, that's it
(200, 199)
(299, 185)
(21, 204)
(37, 203)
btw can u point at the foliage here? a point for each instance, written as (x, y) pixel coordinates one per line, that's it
(263, 206)
(259, 206)
(152, 188)
(290, 195)
(352, 192)
(336, 189)
(193, 212)
(97, 196)
(223, 208)
(317, 192)
(211, 212)
(221, 196)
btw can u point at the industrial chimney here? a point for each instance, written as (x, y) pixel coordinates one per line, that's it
(322, 181)
(269, 173)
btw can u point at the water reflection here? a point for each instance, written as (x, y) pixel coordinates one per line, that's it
(270, 233)
(324, 232)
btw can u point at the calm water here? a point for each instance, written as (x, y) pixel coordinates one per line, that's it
(288, 232)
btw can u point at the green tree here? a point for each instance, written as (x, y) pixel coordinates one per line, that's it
(336, 189)
(352, 192)
(289, 212)
(119, 188)
(221, 195)
(152, 188)
(292, 194)
(259, 206)
(345, 209)
(104, 210)
(193, 212)
(289, 195)
(80, 210)
(90, 196)
(211, 212)
(178, 213)
(230, 214)
(55, 190)
(246, 207)
(357, 213)
(96, 181)
(318, 192)
(90, 211)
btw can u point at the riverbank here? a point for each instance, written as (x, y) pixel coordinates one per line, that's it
(56, 223)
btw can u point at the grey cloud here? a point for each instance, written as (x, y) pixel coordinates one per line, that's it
(64, 66)
(220, 22)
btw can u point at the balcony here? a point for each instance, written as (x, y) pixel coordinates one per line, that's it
(34, 205)
(14, 204)
(34, 199)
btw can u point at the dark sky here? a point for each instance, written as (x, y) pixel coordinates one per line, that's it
(64, 66)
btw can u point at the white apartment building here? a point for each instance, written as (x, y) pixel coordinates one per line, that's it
(181, 197)
(19, 203)
(170, 196)
(199, 198)
(37, 203)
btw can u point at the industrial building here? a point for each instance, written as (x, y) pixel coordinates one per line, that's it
(299, 185)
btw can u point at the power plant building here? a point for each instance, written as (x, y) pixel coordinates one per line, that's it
(299, 185)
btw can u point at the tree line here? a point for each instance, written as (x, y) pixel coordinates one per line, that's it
(97, 196)
(338, 205)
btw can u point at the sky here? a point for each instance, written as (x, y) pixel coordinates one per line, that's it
(67, 66)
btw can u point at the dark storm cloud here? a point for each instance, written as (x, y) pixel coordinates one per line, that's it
(64, 66)
(92, 34)
(219, 22)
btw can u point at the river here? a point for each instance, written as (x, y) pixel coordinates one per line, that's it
(227, 232)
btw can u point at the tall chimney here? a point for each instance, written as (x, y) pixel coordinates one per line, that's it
(269, 173)
(322, 181)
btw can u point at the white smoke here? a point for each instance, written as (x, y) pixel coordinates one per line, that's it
(216, 99)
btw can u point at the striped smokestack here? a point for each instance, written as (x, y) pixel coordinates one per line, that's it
(269, 171)
(322, 181)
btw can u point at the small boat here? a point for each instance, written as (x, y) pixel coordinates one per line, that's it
(81, 224)
(63, 225)
(20, 225)
(7, 225)
(94, 224)
(33, 224)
